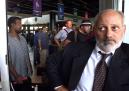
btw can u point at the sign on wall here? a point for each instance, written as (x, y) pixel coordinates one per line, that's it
(60, 11)
(37, 7)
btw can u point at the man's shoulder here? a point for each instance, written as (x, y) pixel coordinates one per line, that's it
(82, 45)
(71, 33)
(77, 48)
(10, 38)
(22, 37)
(125, 47)
(60, 32)
(123, 50)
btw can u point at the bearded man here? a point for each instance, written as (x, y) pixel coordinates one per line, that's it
(103, 66)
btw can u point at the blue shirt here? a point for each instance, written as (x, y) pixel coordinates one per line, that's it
(62, 34)
(43, 37)
(19, 55)
(36, 39)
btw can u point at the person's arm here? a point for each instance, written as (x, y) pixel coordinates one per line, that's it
(28, 62)
(57, 42)
(61, 88)
(57, 38)
(66, 42)
(54, 62)
(17, 77)
(13, 71)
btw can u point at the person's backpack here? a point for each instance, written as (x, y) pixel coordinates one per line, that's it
(66, 31)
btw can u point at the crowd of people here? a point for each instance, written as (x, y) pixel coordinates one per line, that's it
(95, 66)
(88, 58)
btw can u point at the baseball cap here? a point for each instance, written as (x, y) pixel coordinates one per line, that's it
(85, 22)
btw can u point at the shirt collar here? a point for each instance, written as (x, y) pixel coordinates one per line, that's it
(97, 49)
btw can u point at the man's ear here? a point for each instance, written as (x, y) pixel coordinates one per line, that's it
(124, 28)
(12, 24)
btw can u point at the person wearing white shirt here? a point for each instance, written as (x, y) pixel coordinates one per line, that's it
(62, 34)
(78, 63)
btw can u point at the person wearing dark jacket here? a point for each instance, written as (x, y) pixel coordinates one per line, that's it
(81, 65)
(83, 34)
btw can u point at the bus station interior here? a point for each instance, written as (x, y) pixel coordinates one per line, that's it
(24, 9)
(75, 10)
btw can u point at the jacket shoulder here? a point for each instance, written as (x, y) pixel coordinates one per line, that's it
(77, 49)
(125, 47)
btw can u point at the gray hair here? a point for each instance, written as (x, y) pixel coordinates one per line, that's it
(108, 10)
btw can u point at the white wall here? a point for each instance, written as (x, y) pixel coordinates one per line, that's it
(40, 20)
(108, 4)
(3, 48)
(44, 19)
(126, 13)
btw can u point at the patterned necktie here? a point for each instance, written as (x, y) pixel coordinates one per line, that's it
(100, 73)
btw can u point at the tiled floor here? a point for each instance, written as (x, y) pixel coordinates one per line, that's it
(40, 80)
(35, 78)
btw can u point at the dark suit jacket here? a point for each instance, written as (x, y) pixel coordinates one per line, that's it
(74, 60)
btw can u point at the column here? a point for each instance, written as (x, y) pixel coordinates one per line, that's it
(108, 4)
(126, 14)
(3, 49)
(52, 21)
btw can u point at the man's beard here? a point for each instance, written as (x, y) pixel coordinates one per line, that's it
(19, 31)
(108, 45)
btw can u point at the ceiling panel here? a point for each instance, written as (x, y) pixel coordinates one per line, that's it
(82, 6)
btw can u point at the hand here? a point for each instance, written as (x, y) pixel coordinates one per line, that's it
(62, 88)
(19, 80)
(30, 68)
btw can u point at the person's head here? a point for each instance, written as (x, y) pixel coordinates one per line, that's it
(14, 24)
(40, 29)
(69, 23)
(86, 26)
(109, 29)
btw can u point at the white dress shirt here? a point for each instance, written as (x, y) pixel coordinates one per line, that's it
(87, 78)
(62, 34)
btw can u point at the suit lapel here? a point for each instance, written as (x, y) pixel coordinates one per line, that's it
(78, 66)
(117, 70)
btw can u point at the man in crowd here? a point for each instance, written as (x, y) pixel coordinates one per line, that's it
(83, 34)
(19, 61)
(95, 67)
(62, 34)
(43, 46)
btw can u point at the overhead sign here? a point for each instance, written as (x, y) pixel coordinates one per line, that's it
(37, 7)
(75, 15)
(60, 11)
